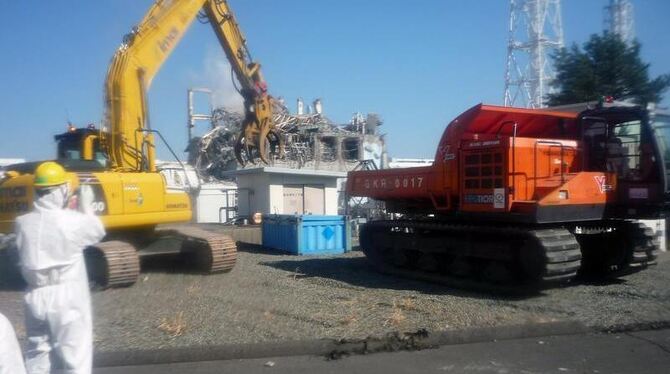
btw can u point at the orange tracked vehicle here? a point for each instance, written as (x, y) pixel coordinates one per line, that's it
(521, 195)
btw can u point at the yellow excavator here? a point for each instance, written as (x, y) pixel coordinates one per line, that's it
(117, 163)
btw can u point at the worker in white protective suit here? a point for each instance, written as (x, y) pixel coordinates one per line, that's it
(11, 361)
(51, 240)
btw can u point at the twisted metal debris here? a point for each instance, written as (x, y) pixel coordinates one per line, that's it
(311, 141)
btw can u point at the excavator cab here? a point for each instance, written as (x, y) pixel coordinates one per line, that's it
(81, 146)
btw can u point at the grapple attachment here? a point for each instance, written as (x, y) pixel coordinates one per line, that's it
(258, 137)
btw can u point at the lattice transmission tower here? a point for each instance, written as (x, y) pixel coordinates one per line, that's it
(620, 20)
(535, 31)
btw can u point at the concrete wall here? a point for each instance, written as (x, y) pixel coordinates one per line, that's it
(253, 194)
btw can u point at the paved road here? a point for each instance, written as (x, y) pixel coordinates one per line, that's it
(638, 352)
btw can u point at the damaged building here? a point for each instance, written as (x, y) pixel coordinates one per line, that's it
(311, 140)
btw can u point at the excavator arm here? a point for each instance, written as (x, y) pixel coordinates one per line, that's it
(130, 142)
(258, 130)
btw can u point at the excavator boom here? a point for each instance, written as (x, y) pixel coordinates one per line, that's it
(130, 145)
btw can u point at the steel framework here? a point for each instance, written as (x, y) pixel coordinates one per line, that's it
(535, 31)
(194, 117)
(619, 19)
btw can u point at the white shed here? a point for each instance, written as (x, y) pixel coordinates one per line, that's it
(275, 190)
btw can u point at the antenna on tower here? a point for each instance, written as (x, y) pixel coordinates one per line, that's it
(535, 31)
(620, 20)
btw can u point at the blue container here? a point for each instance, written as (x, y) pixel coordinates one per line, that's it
(307, 234)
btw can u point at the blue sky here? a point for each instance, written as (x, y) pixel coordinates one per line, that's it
(418, 64)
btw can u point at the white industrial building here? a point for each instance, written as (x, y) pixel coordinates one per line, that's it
(216, 202)
(213, 202)
(10, 161)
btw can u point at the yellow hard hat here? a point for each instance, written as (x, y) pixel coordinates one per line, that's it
(49, 174)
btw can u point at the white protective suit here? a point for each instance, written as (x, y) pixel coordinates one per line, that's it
(51, 241)
(11, 361)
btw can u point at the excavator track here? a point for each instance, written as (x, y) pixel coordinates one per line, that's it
(477, 257)
(113, 264)
(209, 252)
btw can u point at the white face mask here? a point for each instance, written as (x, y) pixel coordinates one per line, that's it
(54, 198)
(65, 191)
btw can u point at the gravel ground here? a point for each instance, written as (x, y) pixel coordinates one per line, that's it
(274, 297)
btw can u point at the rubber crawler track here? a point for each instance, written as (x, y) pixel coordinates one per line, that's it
(116, 264)
(645, 247)
(560, 254)
(551, 256)
(214, 253)
(631, 247)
